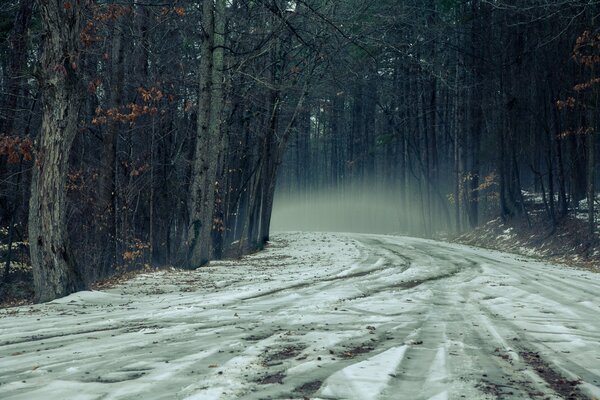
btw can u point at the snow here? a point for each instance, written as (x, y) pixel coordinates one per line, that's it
(364, 380)
(315, 315)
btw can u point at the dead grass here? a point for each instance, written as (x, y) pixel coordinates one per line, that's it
(569, 243)
(120, 278)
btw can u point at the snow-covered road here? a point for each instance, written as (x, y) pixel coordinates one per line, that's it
(316, 315)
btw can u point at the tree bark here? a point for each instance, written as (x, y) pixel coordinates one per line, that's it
(55, 270)
(208, 141)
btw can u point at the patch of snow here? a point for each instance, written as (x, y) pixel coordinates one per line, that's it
(364, 380)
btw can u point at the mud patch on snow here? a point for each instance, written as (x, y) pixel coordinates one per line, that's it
(308, 388)
(566, 388)
(497, 390)
(354, 351)
(418, 282)
(285, 353)
(256, 338)
(271, 379)
(118, 377)
(403, 285)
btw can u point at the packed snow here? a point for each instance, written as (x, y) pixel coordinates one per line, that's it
(318, 315)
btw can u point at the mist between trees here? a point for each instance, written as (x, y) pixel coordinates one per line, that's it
(151, 134)
(361, 208)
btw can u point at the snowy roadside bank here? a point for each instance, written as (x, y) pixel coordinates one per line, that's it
(564, 244)
(318, 315)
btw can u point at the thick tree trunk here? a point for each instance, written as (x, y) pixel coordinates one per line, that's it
(208, 141)
(269, 170)
(55, 271)
(215, 129)
(198, 252)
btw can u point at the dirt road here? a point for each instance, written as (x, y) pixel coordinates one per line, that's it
(318, 315)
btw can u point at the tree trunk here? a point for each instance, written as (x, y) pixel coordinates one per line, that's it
(55, 271)
(216, 146)
(208, 141)
(108, 189)
(591, 176)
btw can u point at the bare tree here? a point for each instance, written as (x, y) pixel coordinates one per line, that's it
(55, 270)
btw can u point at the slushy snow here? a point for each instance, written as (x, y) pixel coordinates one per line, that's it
(317, 315)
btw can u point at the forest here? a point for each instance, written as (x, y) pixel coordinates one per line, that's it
(160, 133)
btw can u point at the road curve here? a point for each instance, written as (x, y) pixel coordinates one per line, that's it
(318, 315)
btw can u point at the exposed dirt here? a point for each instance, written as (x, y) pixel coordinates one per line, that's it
(271, 378)
(285, 353)
(18, 290)
(308, 388)
(565, 387)
(120, 278)
(354, 351)
(256, 338)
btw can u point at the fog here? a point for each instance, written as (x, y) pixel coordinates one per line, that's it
(362, 209)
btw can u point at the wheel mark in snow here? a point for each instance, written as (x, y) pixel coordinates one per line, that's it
(380, 270)
(501, 377)
(277, 290)
(565, 387)
(415, 283)
(440, 396)
(383, 266)
(562, 386)
(364, 380)
(403, 285)
(437, 371)
(494, 332)
(555, 377)
(37, 338)
(359, 274)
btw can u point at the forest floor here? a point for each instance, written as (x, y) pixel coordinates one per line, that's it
(318, 315)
